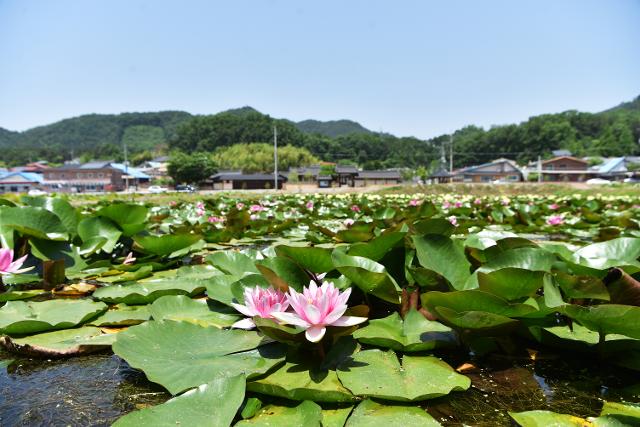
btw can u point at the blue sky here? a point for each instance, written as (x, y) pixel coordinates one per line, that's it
(418, 68)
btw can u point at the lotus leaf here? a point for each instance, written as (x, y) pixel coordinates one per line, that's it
(146, 292)
(19, 317)
(183, 308)
(379, 374)
(181, 355)
(415, 333)
(213, 404)
(445, 256)
(307, 414)
(373, 414)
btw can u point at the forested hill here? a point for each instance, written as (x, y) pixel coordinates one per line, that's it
(613, 132)
(332, 128)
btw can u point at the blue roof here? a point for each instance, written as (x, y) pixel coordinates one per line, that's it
(136, 173)
(610, 164)
(29, 176)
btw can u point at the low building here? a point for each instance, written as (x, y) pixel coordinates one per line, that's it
(133, 177)
(503, 170)
(82, 178)
(377, 177)
(20, 182)
(346, 175)
(565, 169)
(241, 181)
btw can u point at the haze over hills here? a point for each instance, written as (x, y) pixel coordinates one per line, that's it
(615, 131)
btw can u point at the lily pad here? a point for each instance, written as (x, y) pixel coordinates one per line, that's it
(317, 260)
(607, 318)
(415, 333)
(213, 404)
(379, 374)
(123, 315)
(368, 275)
(19, 317)
(64, 343)
(373, 414)
(35, 222)
(307, 414)
(167, 244)
(445, 256)
(149, 291)
(302, 382)
(181, 355)
(547, 418)
(20, 295)
(183, 308)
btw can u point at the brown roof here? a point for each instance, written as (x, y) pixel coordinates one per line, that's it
(575, 159)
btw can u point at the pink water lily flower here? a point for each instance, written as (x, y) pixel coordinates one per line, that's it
(414, 202)
(348, 222)
(555, 220)
(318, 307)
(129, 259)
(215, 219)
(355, 208)
(309, 205)
(453, 220)
(554, 206)
(239, 206)
(260, 302)
(256, 208)
(8, 266)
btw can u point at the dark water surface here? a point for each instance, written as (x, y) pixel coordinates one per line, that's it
(95, 390)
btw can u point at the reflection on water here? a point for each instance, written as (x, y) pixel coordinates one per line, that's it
(95, 390)
(565, 383)
(84, 391)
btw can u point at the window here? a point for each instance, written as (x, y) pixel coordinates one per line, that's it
(100, 175)
(89, 175)
(486, 178)
(512, 177)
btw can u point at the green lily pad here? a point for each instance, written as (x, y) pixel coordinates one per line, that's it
(282, 272)
(415, 333)
(607, 318)
(213, 404)
(123, 315)
(232, 262)
(317, 260)
(302, 382)
(368, 275)
(20, 295)
(379, 374)
(19, 317)
(181, 355)
(64, 343)
(183, 308)
(149, 291)
(307, 414)
(167, 244)
(445, 256)
(92, 227)
(377, 248)
(36, 222)
(335, 417)
(547, 418)
(511, 283)
(373, 414)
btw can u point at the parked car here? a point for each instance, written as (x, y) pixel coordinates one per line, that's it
(186, 189)
(155, 189)
(598, 181)
(632, 180)
(36, 192)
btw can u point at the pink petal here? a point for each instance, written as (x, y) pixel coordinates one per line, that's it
(313, 314)
(290, 319)
(244, 324)
(244, 310)
(335, 314)
(5, 259)
(315, 333)
(349, 321)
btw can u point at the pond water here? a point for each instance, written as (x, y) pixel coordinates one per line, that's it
(95, 390)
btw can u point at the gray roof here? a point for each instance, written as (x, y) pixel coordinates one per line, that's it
(377, 174)
(237, 176)
(346, 169)
(561, 153)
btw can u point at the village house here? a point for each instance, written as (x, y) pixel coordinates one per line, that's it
(377, 177)
(565, 169)
(502, 170)
(81, 178)
(19, 182)
(240, 181)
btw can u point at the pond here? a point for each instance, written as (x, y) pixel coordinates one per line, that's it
(96, 390)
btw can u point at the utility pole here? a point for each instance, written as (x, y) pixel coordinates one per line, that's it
(539, 169)
(450, 153)
(275, 157)
(126, 169)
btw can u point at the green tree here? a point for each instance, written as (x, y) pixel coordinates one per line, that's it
(190, 168)
(258, 157)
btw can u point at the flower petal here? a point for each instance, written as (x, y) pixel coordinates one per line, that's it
(244, 310)
(349, 321)
(290, 318)
(244, 324)
(315, 333)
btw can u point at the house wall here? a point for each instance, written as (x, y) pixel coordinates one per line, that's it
(564, 164)
(82, 180)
